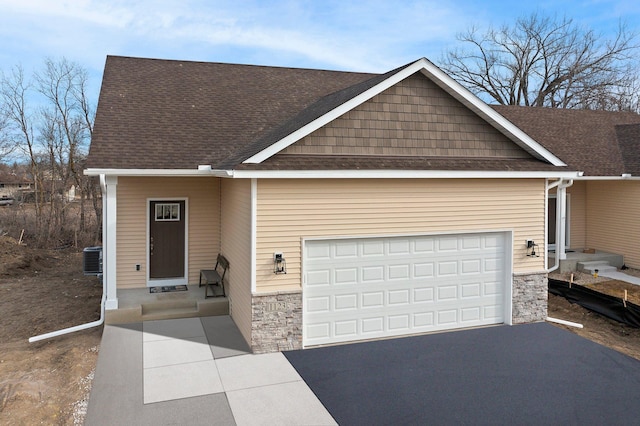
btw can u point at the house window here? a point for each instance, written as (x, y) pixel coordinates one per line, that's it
(167, 212)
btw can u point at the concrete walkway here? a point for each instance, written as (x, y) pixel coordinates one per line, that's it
(621, 276)
(195, 371)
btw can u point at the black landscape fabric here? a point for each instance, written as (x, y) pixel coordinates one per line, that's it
(531, 374)
(604, 304)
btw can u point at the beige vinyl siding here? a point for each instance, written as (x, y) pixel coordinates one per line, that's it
(290, 210)
(203, 206)
(236, 247)
(577, 215)
(612, 218)
(413, 118)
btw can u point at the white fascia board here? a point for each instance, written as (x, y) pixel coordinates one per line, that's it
(443, 81)
(335, 113)
(398, 174)
(158, 172)
(454, 88)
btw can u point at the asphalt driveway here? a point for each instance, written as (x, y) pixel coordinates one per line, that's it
(525, 374)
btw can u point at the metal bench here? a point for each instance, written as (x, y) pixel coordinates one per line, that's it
(214, 278)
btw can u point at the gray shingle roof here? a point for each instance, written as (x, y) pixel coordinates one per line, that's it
(585, 140)
(164, 114)
(155, 114)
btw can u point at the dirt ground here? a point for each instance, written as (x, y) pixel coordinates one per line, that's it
(48, 382)
(597, 328)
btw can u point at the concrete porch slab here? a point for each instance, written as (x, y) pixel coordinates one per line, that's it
(574, 256)
(138, 305)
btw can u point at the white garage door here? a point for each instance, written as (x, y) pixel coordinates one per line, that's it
(367, 288)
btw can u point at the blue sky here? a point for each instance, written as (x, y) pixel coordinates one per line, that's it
(371, 35)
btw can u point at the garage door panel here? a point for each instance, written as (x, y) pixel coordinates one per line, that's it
(471, 314)
(345, 250)
(321, 277)
(380, 287)
(397, 297)
(471, 290)
(423, 321)
(346, 276)
(423, 245)
(346, 301)
(399, 247)
(447, 268)
(372, 274)
(423, 294)
(346, 328)
(396, 323)
(373, 248)
(320, 250)
(319, 304)
(471, 243)
(447, 244)
(423, 270)
(373, 325)
(373, 299)
(471, 266)
(399, 272)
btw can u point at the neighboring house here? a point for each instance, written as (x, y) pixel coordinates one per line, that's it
(13, 185)
(401, 202)
(602, 204)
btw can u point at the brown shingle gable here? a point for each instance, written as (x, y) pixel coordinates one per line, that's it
(155, 114)
(306, 116)
(586, 140)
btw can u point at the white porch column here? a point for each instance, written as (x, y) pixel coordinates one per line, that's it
(109, 205)
(561, 219)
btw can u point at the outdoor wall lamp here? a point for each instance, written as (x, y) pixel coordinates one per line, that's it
(279, 264)
(531, 248)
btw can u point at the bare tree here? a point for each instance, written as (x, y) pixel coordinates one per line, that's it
(54, 137)
(6, 144)
(543, 61)
(14, 91)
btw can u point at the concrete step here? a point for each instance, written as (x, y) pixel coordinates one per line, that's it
(601, 266)
(169, 305)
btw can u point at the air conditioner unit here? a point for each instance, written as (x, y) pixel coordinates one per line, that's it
(92, 260)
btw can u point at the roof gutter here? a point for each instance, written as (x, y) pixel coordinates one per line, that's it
(624, 176)
(201, 171)
(397, 174)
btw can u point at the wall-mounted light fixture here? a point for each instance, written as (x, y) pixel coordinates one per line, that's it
(279, 264)
(531, 248)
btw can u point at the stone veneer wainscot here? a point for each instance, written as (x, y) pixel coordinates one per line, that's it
(276, 321)
(530, 297)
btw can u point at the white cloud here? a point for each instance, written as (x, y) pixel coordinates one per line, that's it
(369, 35)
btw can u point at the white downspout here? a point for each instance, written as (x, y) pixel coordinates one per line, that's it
(77, 327)
(561, 217)
(102, 302)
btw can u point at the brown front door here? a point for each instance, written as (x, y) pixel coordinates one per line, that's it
(166, 239)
